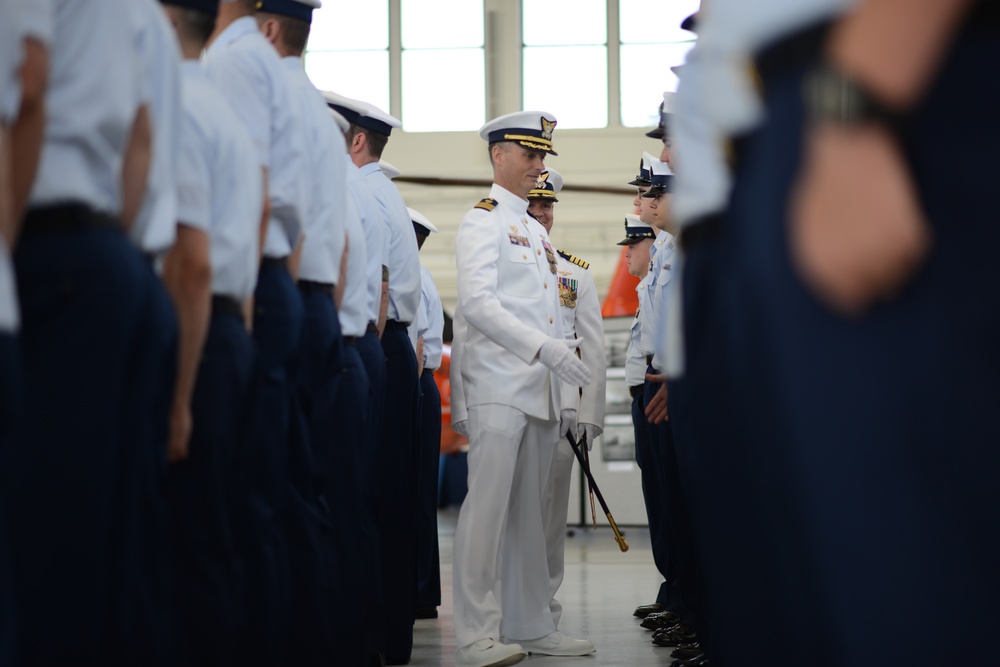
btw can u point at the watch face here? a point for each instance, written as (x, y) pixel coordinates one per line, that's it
(832, 97)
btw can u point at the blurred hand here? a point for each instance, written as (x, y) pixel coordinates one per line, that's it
(179, 437)
(656, 410)
(857, 231)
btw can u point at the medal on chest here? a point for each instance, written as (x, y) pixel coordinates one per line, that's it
(518, 239)
(567, 291)
(550, 255)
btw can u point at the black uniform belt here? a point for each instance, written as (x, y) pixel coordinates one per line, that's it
(372, 328)
(226, 305)
(313, 286)
(649, 360)
(274, 263)
(635, 390)
(396, 325)
(428, 371)
(350, 340)
(701, 230)
(66, 218)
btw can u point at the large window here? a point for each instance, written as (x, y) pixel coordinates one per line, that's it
(443, 65)
(348, 50)
(565, 60)
(651, 43)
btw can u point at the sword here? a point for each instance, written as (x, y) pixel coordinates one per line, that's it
(622, 544)
(586, 454)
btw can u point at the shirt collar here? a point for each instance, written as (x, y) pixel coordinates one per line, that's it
(293, 63)
(505, 196)
(239, 28)
(192, 68)
(370, 168)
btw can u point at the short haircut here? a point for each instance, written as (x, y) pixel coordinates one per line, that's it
(294, 32)
(505, 145)
(194, 26)
(376, 141)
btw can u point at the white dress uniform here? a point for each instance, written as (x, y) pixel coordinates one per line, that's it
(324, 223)
(246, 68)
(155, 228)
(581, 313)
(508, 303)
(402, 258)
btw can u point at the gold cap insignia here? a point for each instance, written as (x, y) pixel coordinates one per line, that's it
(547, 127)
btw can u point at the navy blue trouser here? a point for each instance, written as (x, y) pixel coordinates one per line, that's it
(372, 356)
(261, 487)
(205, 586)
(429, 456)
(10, 409)
(649, 456)
(145, 599)
(355, 564)
(884, 424)
(81, 296)
(398, 485)
(652, 498)
(316, 435)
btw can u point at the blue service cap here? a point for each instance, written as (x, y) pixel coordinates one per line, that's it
(548, 185)
(663, 180)
(421, 225)
(297, 9)
(636, 230)
(666, 108)
(210, 7)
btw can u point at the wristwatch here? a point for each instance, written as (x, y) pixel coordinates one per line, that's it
(831, 96)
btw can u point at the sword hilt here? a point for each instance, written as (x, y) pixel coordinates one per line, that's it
(619, 538)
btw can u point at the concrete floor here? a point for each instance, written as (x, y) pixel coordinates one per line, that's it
(602, 587)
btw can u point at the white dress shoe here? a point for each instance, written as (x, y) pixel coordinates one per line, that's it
(558, 644)
(489, 653)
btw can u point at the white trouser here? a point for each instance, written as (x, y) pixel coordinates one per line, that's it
(501, 581)
(556, 513)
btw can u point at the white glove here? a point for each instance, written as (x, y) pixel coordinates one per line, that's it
(462, 427)
(567, 422)
(558, 356)
(591, 431)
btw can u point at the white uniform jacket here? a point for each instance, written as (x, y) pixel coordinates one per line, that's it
(581, 314)
(508, 306)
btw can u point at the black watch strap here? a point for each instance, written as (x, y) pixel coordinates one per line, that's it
(834, 97)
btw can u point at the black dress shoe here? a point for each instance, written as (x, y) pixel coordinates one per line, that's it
(644, 610)
(376, 660)
(662, 619)
(681, 634)
(426, 612)
(687, 652)
(703, 661)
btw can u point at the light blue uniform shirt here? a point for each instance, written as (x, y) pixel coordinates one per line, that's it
(376, 234)
(430, 320)
(155, 228)
(635, 360)
(662, 257)
(93, 96)
(246, 68)
(403, 261)
(219, 184)
(354, 310)
(324, 225)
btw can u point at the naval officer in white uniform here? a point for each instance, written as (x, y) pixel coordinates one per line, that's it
(514, 359)
(581, 313)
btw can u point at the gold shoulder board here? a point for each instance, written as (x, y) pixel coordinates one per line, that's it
(487, 204)
(574, 260)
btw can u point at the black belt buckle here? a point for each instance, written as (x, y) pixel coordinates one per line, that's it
(372, 328)
(274, 263)
(313, 286)
(635, 390)
(226, 305)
